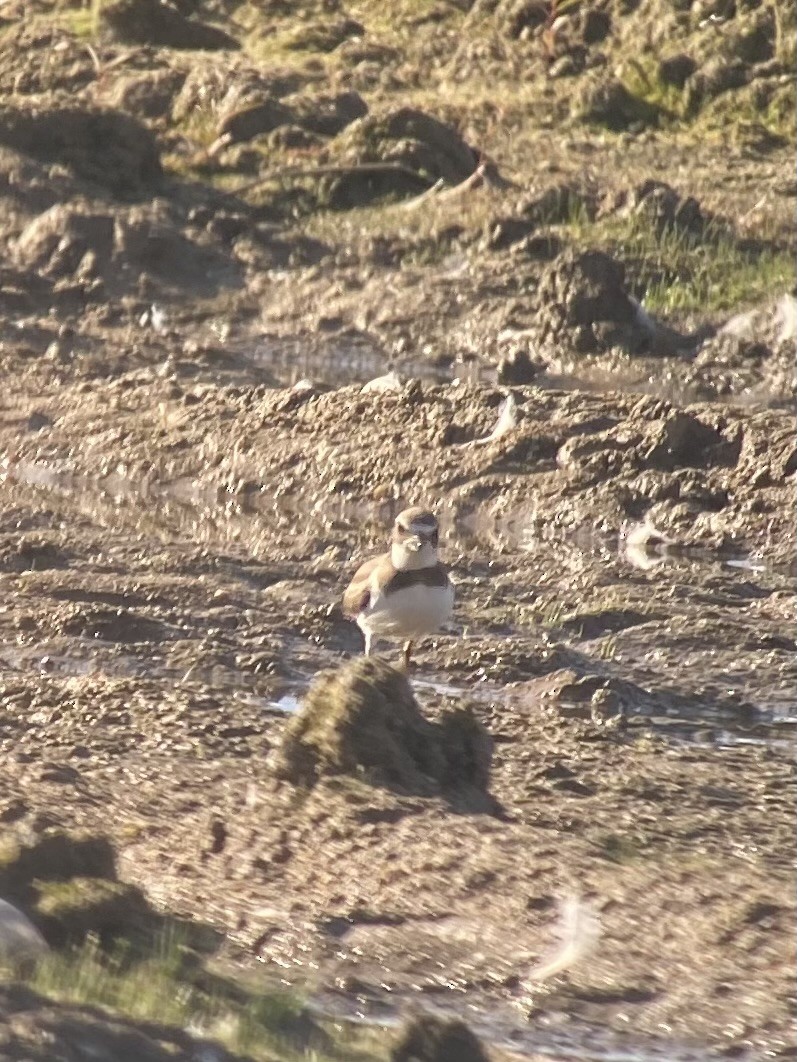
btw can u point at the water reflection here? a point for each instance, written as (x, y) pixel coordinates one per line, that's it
(730, 694)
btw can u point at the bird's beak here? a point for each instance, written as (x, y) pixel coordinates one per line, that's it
(414, 544)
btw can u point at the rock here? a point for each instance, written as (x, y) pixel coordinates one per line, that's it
(160, 24)
(431, 1039)
(20, 940)
(108, 147)
(363, 720)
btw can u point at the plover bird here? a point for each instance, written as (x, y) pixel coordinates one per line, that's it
(405, 593)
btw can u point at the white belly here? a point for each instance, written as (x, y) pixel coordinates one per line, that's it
(409, 612)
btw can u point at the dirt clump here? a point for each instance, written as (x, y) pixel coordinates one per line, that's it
(751, 354)
(60, 240)
(35, 1026)
(415, 148)
(326, 114)
(612, 105)
(252, 119)
(661, 205)
(415, 139)
(149, 94)
(142, 244)
(68, 886)
(583, 303)
(160, 24)
(558, 204)
(364, 720)
(431, 1039)
(320, 114)
(108, 147)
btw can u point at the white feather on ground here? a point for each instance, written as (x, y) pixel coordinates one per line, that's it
(507, 421)
(578, 931)
(19, 939)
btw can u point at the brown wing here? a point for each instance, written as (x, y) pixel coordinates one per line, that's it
(357, 594)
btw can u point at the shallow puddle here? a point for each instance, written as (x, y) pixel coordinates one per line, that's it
(516, 1042)
(183, 512)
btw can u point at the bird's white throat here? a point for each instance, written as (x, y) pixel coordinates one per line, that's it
(408, 559)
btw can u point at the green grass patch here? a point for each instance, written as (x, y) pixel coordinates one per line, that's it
(721, 281)
(171, 986)
(678, 271)
(85, 21)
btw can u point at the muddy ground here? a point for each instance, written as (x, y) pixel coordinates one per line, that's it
(223, 220)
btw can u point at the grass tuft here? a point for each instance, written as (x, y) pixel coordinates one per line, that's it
(170, 987)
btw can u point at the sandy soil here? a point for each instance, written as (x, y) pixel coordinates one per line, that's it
(192, 468)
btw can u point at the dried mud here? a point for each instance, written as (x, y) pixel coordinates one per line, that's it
(192, 467)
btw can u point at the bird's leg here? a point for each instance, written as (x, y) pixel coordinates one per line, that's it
(406, 655)
(367, 635)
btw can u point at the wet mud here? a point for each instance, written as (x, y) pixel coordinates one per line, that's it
(225, 376)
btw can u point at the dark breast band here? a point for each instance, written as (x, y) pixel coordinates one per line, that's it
(404, 578)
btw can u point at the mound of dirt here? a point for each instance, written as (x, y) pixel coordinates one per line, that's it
(363, 720)
(321, 114)
(583, 304)
(430, 1039)
(417, 148)
(107, 147)
(664, 207)
(159, 23)
(68, 887)
(752, 355)
(611, 105)
(414, 139)
(122, 249)
(149, 94)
